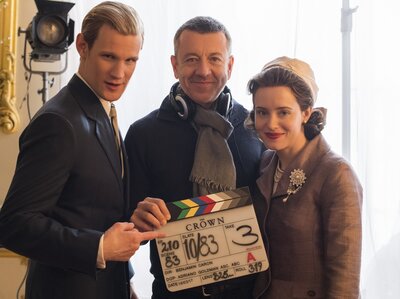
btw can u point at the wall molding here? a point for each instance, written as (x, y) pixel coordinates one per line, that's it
(9, 117)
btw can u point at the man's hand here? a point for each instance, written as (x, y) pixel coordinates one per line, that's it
(122, 240)
(150, 214)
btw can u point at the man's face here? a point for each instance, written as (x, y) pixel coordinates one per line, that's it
(110, 63)
(203, 65)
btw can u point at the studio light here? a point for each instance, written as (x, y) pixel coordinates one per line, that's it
(49, 35)
(51, 31)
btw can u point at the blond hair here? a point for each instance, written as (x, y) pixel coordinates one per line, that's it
(121, 17)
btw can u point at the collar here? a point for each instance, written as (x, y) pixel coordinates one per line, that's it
(106, 104)
(307, 160)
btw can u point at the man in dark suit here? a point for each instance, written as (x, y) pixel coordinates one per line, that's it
(67, 206)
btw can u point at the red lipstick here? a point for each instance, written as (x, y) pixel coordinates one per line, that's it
(273, 135)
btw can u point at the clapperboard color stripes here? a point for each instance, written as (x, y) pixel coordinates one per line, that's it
(202, 205)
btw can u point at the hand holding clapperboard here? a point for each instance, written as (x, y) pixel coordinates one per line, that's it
(211, 238)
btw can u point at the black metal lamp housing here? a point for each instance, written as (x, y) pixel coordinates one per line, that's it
(51, 31)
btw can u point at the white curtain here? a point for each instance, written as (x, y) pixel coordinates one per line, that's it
(375, 125)
(309, 30)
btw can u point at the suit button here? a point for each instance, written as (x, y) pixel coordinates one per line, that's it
(311, 293)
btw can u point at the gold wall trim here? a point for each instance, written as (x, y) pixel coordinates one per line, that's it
(9, 117)
(4, 253)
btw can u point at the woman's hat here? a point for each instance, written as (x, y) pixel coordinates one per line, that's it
(299, 68)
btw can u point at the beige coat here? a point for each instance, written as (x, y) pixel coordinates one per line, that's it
(314, 238)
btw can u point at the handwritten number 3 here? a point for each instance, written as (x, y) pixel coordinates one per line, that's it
(248, 233)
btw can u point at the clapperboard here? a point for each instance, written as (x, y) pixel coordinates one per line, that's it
(210, 239)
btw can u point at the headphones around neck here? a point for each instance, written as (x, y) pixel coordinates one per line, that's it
(186, 108)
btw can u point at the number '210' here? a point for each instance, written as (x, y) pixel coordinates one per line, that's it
(170, 245)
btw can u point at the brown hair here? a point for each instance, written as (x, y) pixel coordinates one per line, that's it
(277, 76)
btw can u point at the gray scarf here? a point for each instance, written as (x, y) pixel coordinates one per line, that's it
(213, 167)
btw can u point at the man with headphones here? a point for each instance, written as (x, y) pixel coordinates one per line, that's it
(194, 144)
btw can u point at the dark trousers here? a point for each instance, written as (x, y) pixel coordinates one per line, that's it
(225, 290)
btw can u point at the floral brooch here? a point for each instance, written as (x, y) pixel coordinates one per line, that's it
(297, 180)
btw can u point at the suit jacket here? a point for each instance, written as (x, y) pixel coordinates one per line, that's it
(66, 191)
(161, 149)
(314, 238)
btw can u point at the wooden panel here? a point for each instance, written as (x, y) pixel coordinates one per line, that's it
(12, 273)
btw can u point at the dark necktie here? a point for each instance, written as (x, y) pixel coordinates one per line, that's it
(114, 123)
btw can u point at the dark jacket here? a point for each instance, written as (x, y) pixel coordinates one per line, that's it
(66, 191)
(161, 149)
(314, 238)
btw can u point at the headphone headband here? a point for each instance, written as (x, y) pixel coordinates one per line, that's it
(186, 108)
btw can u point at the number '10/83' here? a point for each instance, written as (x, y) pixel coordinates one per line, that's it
(196, 247)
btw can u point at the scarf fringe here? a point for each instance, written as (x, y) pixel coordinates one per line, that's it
(209, 184)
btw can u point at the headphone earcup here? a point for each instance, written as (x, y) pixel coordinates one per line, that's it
(185, 108)
(224, 104)
(182, 107)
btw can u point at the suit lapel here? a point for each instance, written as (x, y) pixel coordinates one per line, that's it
(93, 109)
(105, 137)
(265, 181)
